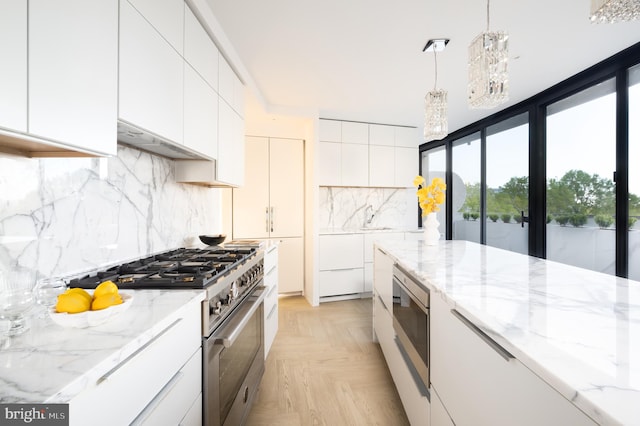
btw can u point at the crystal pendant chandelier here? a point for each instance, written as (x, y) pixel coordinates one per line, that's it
(488, 76)
(612, 11)
(435, 102)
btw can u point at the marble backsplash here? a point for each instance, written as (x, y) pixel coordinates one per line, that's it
(348, 208)
(64, 216)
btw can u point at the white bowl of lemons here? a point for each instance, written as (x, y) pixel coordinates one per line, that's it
(79, 309)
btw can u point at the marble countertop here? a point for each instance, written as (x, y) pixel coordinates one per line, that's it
(576, 329)
(337, 231)
(50, 363)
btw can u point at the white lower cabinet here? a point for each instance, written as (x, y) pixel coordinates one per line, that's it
(416, 405)
(439, 415)
(481, 384)
(341, 265)
(341, 282)
(271, 299)
(156, 385)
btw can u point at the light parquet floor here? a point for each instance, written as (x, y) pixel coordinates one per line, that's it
(324, 369)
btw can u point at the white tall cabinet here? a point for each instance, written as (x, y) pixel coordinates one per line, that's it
(270, 204)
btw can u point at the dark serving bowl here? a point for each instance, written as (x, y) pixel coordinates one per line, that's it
(212, 240)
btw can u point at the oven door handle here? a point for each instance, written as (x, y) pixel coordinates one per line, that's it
(240, 319)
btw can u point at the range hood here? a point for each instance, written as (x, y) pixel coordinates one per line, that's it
(135, 137)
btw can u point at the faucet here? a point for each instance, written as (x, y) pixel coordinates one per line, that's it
(368, 218)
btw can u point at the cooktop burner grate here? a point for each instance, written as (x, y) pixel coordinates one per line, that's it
(180, 268)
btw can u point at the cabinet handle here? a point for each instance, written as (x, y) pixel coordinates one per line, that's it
(481, 334)
(272, 216)
(266, 219)
(157, 400)
(109, 373)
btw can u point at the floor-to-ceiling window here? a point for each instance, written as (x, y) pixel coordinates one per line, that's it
(634, 173)
(581, 161)
(466, 189)
(434, 164)
(559, 162)
(507, 184)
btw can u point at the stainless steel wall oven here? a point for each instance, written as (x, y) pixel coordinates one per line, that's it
(411, 322)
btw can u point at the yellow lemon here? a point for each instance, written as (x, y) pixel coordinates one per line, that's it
(107, 287)
(72, 303)
(106, 300)
(81, 292)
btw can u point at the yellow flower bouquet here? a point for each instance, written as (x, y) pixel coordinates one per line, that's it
(430, 196)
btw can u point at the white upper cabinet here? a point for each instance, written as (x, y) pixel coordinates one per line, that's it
(330, 131)
(354, 164)
(58, 79)
(369, 155)
(381, 135)
(329, 156)
(13, 72)
(406, 166)
(355, 132)
(200, 114)
(407, 136)
(151, 78)
(199, 49)
(382, 166)
(226, 77)
(230, 165)
(167, 17)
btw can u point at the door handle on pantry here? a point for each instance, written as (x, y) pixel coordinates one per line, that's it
(266, 219)
(272, 214)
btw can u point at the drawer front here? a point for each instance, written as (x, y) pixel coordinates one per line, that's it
(347, 281)
(341, 251)
(270, 300)
(173, 403)
(143, 374)
(270, 260)
(270, 328)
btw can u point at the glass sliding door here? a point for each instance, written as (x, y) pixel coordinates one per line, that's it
(466, 189)
(434, 164)
(507, 184)
(634, 173)
(581, 160)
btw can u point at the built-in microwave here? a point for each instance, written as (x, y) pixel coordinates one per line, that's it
(411, 322)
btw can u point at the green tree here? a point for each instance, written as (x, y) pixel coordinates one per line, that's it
(578, 192)
(514, 195)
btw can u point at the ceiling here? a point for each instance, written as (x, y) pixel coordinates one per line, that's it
(362, 60)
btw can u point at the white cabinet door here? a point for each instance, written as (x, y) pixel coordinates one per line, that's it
(381, 166)
(167, 17)
(383, 277)
(329, 156)
(286, 187)
(354, 165)
(230, 166)
(439, 415)
(355, 133)
(291, 265)
(408, 137)
(406, 166)
(200, 114)
(73, 79)
(199, 49)
(341, 282)
(330, 131)
(226, 78)
(479, 384)
(380, 134)
(13, 72)
(151, 77)
(251, 202)
(343, 251)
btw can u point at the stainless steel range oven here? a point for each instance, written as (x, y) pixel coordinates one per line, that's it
(233, 344)
(232, 317)
(411, 323)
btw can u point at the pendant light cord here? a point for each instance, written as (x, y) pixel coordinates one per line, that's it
(435, 62)
(487, 15)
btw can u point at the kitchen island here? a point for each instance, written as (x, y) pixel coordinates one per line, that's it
(54, 364)
(575, 331)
